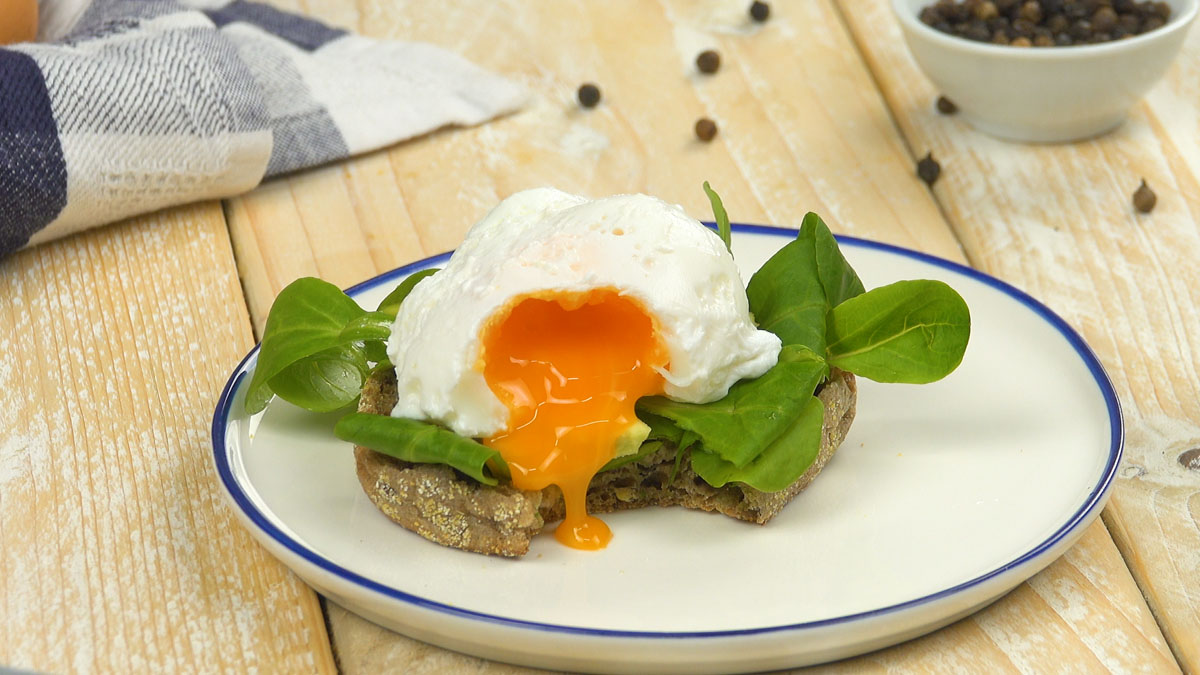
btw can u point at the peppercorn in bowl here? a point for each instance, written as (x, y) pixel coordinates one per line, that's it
(1033, 78)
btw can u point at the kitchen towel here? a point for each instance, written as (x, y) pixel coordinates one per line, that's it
(126, 106)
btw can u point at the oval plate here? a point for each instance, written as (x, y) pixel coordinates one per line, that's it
(942, 498)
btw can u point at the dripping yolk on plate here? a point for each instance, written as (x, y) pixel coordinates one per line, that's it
(569, 369)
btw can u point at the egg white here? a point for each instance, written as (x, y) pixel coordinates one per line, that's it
(543, 242)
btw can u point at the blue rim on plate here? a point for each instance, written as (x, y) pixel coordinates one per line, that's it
(1094, 500)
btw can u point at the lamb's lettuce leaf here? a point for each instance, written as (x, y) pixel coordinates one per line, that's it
(910, 331)
(755, 413)
(779, 464)
(792, 294)
(326, 381)
(390, 305)
(307, 318)
(414, 441)
(724, 229)
(318, 344)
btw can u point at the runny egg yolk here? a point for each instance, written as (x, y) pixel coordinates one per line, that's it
(569, 369)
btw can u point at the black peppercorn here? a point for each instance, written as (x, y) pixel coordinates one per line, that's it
(1104, 20)
(706, 129)
(1075, 10)
(708, 61)
(978, 30)
(1151, 23)
(589, 95)
(1045, 23)
(1031, 11)
(759, 11)
(928, 169)
(1144, 198)
(1022, 28)
(985, 10)
(946, 106)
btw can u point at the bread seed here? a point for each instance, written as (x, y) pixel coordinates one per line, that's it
(706, 129)
(1144, 198)
(589, 95)
(759, 11)
(708, 61)
(928, 169)
(946, 106)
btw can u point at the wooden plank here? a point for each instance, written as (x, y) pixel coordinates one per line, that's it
(782, 151)
(1057, 221)
(117, 551)
(802, 128)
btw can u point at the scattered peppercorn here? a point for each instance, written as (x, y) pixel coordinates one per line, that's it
(759, 11)
(928, 169)
(706, 129)
(589, 95)
(1045, 23)
(708, 61)
(946, 106)
(1144, 198)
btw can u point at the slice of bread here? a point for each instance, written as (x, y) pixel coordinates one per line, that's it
(451, 509)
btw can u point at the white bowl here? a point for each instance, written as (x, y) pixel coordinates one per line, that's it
(1044, 94)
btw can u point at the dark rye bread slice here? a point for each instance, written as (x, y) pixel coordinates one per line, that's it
(449, 508)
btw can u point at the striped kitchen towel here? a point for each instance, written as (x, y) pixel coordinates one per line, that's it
(127, 106)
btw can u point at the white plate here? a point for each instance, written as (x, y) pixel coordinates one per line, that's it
(942, 498)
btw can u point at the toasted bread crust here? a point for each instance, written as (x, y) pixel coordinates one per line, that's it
(451, 509)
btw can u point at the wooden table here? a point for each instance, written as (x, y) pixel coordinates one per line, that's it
(118, 552)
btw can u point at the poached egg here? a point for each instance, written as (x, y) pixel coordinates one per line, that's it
(555, 315)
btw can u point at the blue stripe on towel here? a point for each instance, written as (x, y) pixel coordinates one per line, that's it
(301, 31)
(33, 174)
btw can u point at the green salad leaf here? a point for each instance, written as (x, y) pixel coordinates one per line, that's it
(910, 331)
(779, 464)
(318, 344)
(391, 304)
(414, 441)
(326, 381)
(755, 413)
(792, 294)
(368, 326)
(724, 229)
(307, 318)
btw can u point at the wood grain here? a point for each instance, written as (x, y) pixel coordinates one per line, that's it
(803, 127)
(117, 550)
(784, 149)
(1057, 221)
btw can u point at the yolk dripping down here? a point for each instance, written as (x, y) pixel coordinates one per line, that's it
(569, 370)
